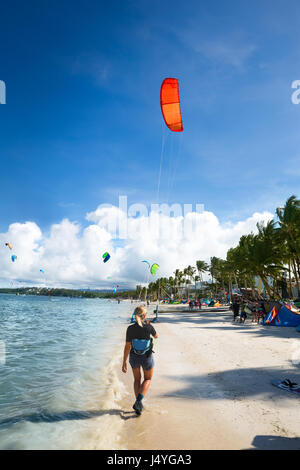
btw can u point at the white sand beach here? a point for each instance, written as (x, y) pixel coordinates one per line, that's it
(212, 386)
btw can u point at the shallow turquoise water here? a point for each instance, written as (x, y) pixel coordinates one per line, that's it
(55, 374)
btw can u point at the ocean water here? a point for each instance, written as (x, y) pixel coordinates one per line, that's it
(58, 383)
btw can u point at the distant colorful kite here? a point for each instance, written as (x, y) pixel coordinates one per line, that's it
(105, 257)
(115, 288)
(170, 104)
(13, 258)
(9, 245)
(154, 268)
(147, 262)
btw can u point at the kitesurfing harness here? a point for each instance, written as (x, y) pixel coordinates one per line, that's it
(142, 346)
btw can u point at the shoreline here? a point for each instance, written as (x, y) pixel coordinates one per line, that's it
(211, 387)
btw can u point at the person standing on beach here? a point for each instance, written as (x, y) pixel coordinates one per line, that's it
(243, 312)
(235, 308)
(138, 347)
(156, 314)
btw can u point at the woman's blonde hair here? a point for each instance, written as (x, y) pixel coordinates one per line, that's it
(140, 314)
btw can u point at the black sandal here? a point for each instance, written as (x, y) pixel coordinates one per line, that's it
(287, 383)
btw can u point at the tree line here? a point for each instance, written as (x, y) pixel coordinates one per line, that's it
(272, 254)
(60, 292)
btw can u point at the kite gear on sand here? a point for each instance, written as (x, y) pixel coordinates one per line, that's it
(282, 316)
(288, 385)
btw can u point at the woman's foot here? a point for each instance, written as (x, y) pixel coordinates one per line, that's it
(138, 407)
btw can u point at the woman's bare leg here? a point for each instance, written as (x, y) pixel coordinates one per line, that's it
(137, 380)
(147, 381)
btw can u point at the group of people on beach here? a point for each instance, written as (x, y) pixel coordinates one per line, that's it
(242, 307)
(195, 303)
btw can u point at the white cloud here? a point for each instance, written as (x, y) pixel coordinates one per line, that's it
(234, 50)
(234, 54)
(72, 256)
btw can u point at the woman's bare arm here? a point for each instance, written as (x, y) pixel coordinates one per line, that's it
(125, 356)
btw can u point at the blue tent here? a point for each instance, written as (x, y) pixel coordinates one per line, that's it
(284, 317)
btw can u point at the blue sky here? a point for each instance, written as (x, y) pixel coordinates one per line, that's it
(82, 123)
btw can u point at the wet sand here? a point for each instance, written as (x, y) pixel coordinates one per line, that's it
(212, 386)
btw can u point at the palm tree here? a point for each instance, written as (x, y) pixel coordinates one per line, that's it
(216, 265)
(144, 293)
(178, 279)
(289, 223)
(187, 283)
(172, 285)
(191, 271)
(138, 291)
(196, 279)
(259, 255)
(187, 272)
(202, 267)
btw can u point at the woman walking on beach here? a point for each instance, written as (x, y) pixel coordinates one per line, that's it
(138, 347)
